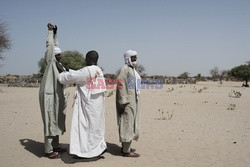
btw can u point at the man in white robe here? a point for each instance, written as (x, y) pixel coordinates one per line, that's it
(88, 121)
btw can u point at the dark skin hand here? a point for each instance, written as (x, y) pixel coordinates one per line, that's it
(60, 67)
(55, 29)
(50, 26)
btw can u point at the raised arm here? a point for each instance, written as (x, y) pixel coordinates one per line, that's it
(50, 35)
(49, 43)
(55, 36)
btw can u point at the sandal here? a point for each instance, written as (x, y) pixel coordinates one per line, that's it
(131, 154)
(59, 149)
(131, 150)
(53, 155)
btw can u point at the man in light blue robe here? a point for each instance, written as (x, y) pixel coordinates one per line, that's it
(52, 98)
(127, 104)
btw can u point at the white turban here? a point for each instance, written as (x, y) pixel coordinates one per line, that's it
(57, 50)
(127, 57)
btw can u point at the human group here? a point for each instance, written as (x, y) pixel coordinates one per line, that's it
(87, 134)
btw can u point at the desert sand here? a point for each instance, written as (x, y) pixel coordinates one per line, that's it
(201, 125)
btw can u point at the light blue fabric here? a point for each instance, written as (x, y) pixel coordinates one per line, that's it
(51, 94)
(127, 106)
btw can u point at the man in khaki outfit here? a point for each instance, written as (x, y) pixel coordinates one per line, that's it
(127, 104)
(52, 98)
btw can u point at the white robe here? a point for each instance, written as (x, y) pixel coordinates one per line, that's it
(88, 121)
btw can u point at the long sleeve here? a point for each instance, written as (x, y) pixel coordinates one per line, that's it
(74, 77)
(122, 91)
(50, 46)
(56, 43)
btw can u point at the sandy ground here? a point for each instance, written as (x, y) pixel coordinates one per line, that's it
(199, 125)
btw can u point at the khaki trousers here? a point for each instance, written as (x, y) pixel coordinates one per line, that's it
(50, 142)
(126, 146)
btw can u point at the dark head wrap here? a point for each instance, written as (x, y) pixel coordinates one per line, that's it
(91, 58)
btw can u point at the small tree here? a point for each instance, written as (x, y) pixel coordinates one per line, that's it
(222, 74)
(241, 72)
(5, 43)
(42, 65)
(218, 74)
(199, 77)
(141, 70)
(184, 75)
(215, 73)
(73, 60)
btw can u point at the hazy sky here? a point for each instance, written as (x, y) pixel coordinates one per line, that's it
(170, 36)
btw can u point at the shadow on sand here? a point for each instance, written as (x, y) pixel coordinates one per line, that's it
(33, 147)
(37, 148)
(114, 149)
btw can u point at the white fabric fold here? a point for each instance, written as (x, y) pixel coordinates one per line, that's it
(138, 81)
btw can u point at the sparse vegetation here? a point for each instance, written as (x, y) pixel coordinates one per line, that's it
(184, 75)
(5, 42)
(204, 88)
(231, 107)
(200, 90)
(241, 72)
(234, 94)
(141, 70)
(110, 94)
(218, 74)
(170, 89)
(164, 115)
